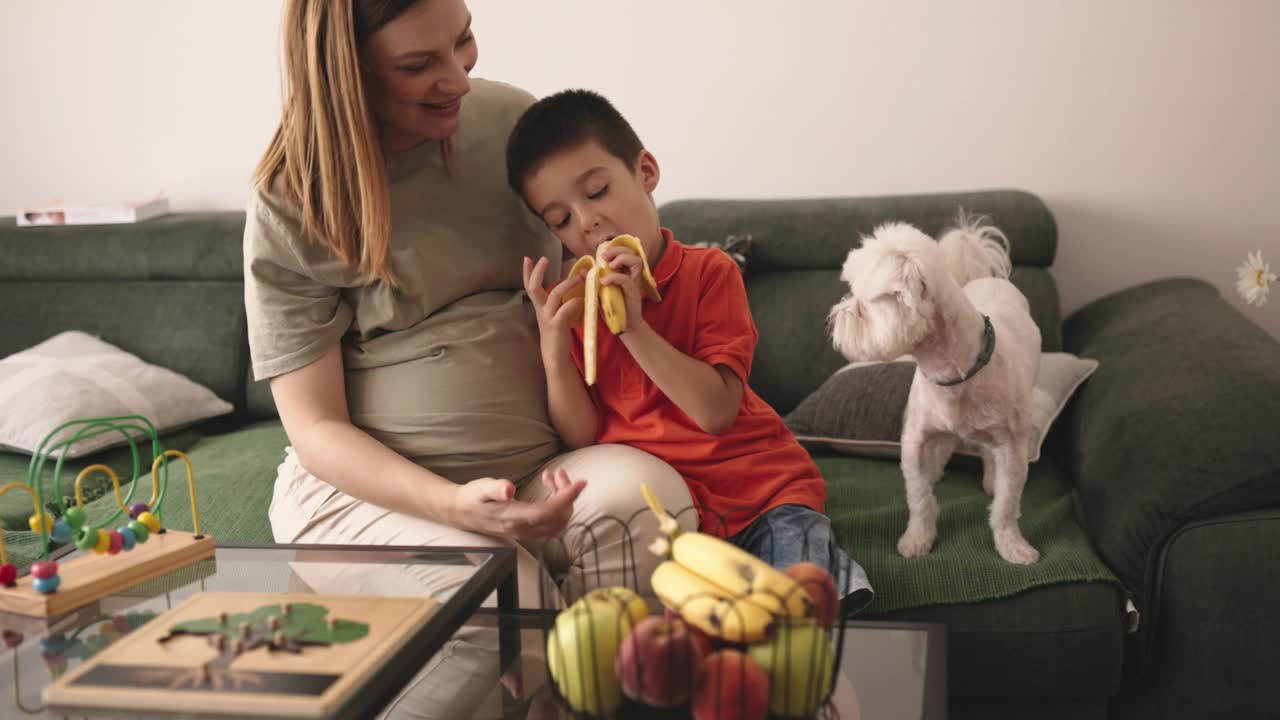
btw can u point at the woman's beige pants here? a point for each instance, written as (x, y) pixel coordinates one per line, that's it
(594, 550)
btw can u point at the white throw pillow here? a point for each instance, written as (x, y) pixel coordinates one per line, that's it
(858, 410)
(75, 376)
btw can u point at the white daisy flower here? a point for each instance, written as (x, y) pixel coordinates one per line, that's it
(1254, 278)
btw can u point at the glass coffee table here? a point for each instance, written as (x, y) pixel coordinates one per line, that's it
(37, 651)
(496, 669)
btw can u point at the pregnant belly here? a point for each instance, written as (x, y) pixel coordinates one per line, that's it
(463, 393)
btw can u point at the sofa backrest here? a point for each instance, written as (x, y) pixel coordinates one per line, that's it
(169, 290)
(798, 247)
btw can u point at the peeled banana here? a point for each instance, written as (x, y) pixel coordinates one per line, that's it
(606, 299)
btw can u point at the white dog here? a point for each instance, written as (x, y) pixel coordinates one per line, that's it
(977, 351)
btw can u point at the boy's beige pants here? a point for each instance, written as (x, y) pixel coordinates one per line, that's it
(594, 551)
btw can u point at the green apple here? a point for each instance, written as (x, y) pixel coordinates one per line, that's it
(798, 659)
(582, 650)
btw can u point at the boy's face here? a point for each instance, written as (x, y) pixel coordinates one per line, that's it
(587, 197)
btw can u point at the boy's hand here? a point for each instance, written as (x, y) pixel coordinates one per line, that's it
(555, 317)
(628, 271)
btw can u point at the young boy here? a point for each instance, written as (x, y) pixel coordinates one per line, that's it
(674, 383)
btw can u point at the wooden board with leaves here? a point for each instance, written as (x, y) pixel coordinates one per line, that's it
(271, 654)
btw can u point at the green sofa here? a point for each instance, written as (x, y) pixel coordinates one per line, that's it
(1159, 484)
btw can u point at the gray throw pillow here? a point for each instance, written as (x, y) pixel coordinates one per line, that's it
(859, 409)
(737, 247)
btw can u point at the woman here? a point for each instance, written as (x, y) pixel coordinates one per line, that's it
(382, 286)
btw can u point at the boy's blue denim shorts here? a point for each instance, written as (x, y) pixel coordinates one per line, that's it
(788, 534)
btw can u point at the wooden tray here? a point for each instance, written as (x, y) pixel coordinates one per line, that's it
(142, 673)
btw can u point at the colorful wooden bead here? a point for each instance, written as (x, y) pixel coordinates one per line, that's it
(37, 526)
(75, 517)
(104, 543)
(140, 531)
(86, 538)
(116, 542)
(54, 644)
(46, 585)
(61, 530)
(151, 521)
(12, 638)
(8, 574)
(44, 568)
(137, 509)
(126, 534)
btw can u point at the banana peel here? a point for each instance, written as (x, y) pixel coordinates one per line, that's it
(606, 299)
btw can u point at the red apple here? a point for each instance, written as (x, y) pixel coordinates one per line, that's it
(731, 686)
(821, 587)
(658, 663)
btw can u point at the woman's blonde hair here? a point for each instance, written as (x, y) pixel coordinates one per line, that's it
(326, 152)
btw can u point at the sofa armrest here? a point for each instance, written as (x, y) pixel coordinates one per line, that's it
(1178, 423)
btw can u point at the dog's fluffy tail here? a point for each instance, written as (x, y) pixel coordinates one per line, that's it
(974, 249)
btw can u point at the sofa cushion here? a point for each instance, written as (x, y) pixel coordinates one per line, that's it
(1059, 642)
(187, 246)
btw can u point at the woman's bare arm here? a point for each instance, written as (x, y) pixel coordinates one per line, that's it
(312, 403)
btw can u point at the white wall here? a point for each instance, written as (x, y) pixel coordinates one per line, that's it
(1151, 127)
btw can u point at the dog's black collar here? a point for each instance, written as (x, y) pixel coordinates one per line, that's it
(984, 357)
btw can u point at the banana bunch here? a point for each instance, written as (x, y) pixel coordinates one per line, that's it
(608, 299)
(718, 587)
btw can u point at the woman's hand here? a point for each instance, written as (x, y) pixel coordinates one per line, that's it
(488, 506)
(555, 316)
(628, 271)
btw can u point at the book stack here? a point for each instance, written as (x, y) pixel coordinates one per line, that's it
(94, 214)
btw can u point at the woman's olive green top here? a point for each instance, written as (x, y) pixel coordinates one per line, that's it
(445, 369)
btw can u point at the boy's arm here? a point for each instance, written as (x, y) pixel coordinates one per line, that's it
(709, 394)
(569, 407)
(572, 413)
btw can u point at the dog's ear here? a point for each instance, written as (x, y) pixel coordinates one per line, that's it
(912, 286)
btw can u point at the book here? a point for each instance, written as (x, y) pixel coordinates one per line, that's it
(58, 213)
(238, 654)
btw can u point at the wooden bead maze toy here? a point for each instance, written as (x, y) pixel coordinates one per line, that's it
(135, 551)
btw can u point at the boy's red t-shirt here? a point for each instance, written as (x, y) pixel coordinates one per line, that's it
(753, 466)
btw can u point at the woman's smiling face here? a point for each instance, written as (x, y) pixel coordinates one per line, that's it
(416, 72)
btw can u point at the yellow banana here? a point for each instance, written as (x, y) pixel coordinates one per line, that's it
(742, 574)
(632, 243)
(706, 606)
(606, 299)
(583, 264)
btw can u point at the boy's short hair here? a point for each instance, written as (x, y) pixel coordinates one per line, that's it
(564, 120)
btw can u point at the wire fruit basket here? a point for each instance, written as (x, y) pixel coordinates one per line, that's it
(685, 624)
